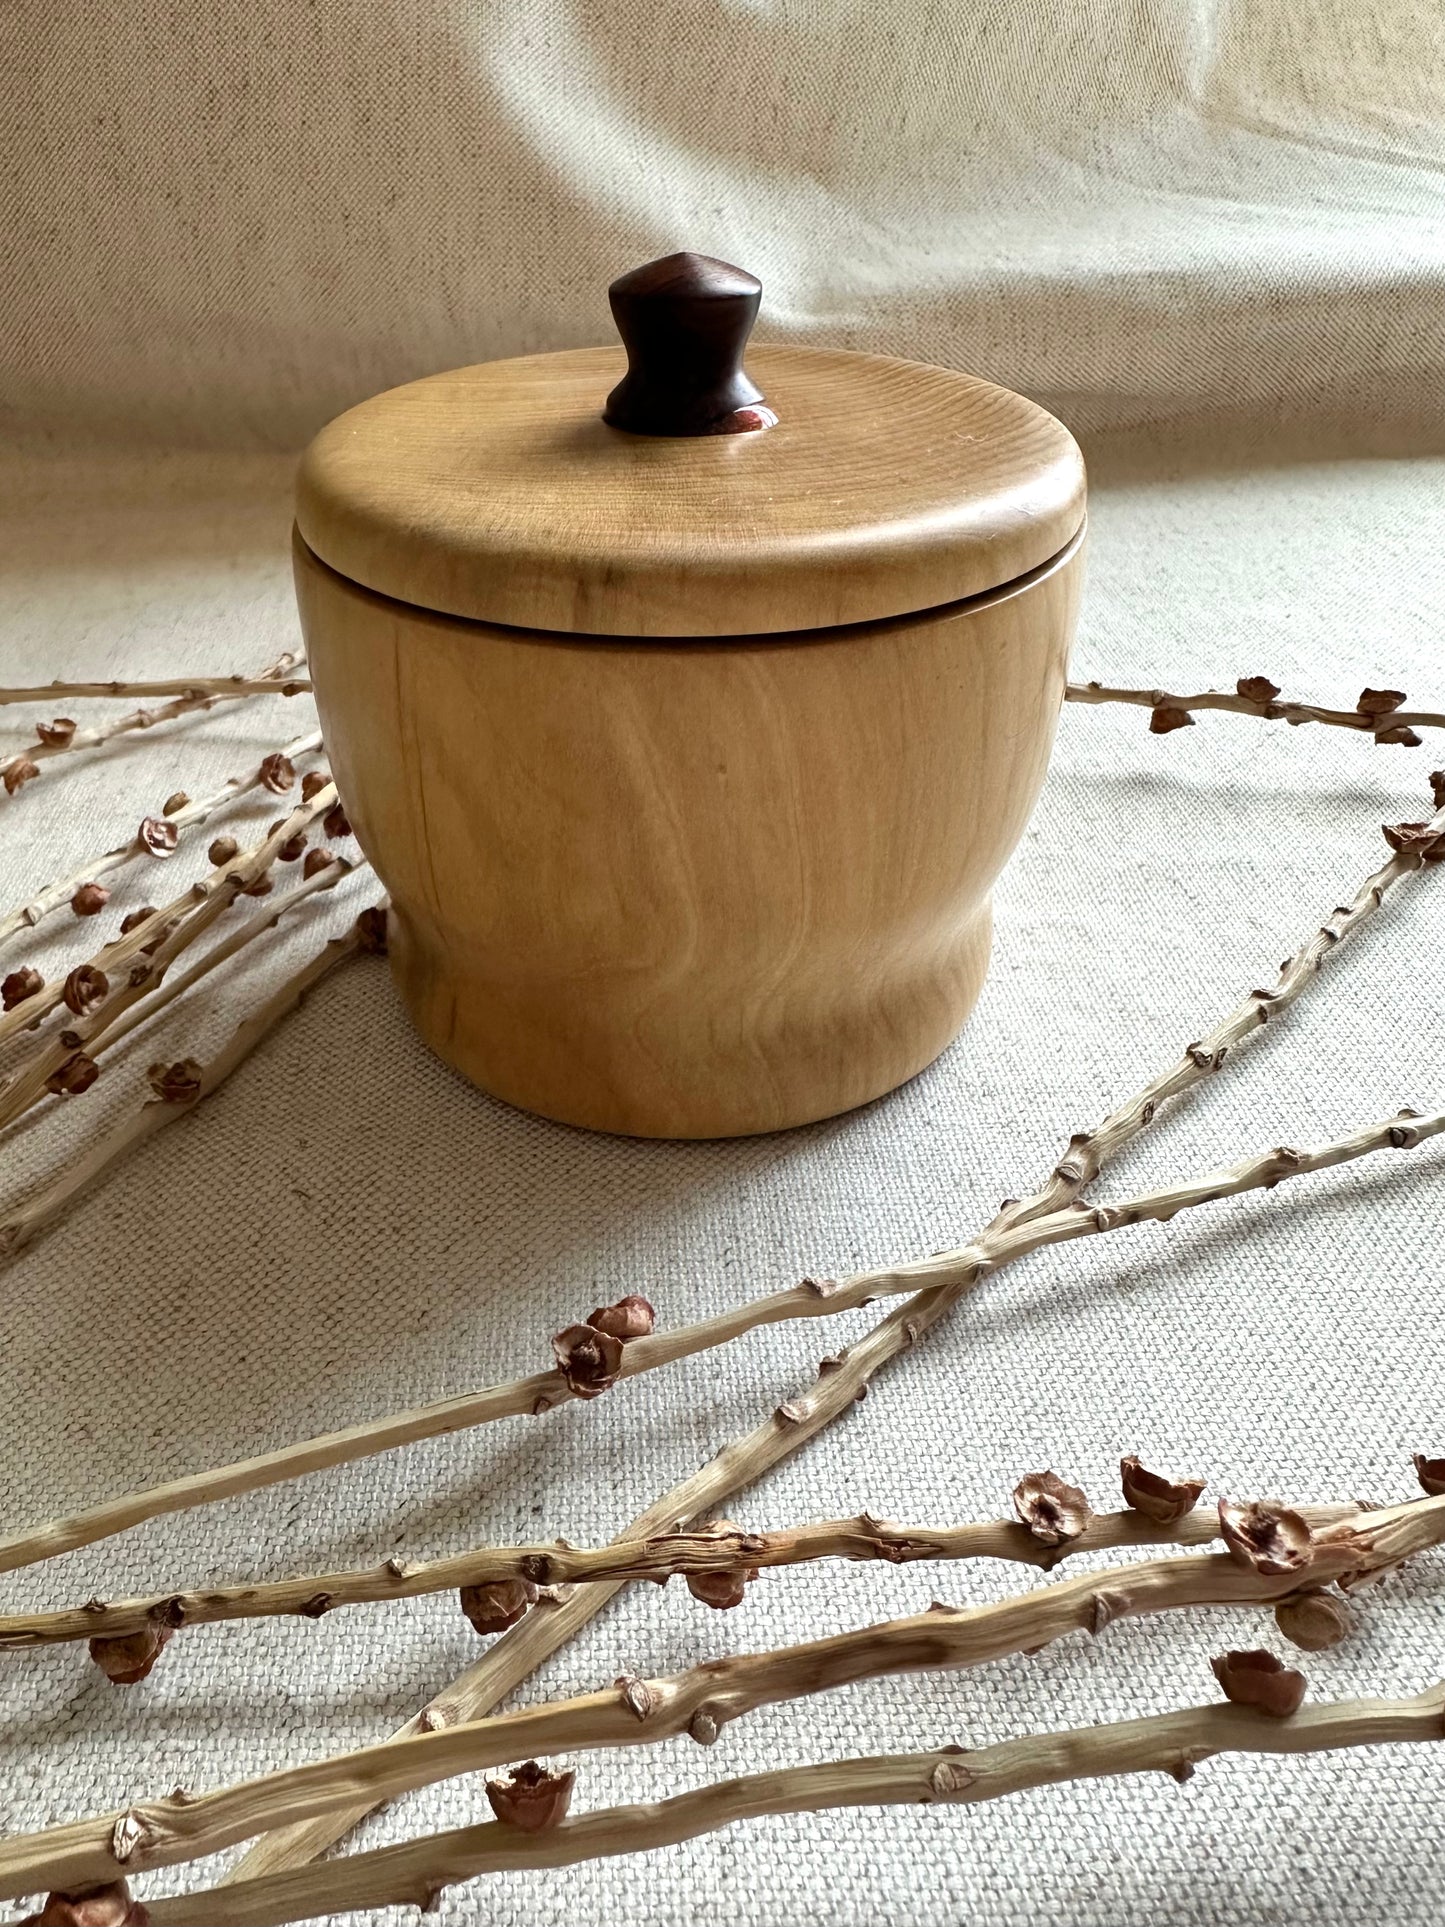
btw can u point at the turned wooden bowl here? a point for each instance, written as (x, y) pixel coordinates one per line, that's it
(689, 742)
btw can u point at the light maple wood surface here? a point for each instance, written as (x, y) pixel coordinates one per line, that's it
(690, 889)
(497, 492)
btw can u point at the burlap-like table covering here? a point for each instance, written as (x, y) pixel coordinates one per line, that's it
(1210, 237)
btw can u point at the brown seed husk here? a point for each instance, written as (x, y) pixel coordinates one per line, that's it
(158, 836)
(316, 859)
(1313, 1621)
(588, 1359)
(1157, 1498)
(493, 1607)
(19, 985)
(90, 899)
(1431, 1474)
(86, 988)
(631, 1317)
(277, 772)
(222, 849)
(127, 1659)
(1166, 717)
(1260, 1680)
(1053, 1511)
(530, 1798)
(57, 732)
(1257, 689)
(1265, 1536)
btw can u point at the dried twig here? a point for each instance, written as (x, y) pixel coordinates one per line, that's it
(1378, 712)
(955, 1271)
(738, 1464)
(709, 1549)
(395, 1580)
(701, 1701)
(55, 896)
(61, 736)
(51, 1202)
(50, 1064)
(416, 1872)
(266, 684)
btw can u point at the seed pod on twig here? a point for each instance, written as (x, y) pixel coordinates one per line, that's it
(56, 734)
(127, 1659)
(158, 836)
(90, 899)
(75, 1075)
(1314, 1621)
(1437, 787)
(316, 859)
(1265, 1536)
(313, 782)
(336, 822)
(530, 1798)
(1160, 1499)
(174, 803)
(630, 1317)
(371, 930)
(86, 988)
(277, 772)
(1053, 1511)
(1259, 1679)
(500, 1603)
(178, 1083)
(17, 772)
(135, 918)
(19, 985)
(1257, 689)
(260, 886)
(1168, 716)
(1416, 839)
(1398, 733)
(1431, 1474)
(222, 849)
(109, 1905)
(588, 1359)
(1379, 702)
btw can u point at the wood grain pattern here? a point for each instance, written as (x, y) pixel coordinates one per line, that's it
(690, 889)
(497, 492)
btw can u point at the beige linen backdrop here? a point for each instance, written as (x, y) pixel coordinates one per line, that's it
(1212, 238)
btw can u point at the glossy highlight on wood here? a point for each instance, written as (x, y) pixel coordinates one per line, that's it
(690, 889)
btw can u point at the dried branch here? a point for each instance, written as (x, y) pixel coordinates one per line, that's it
(954, 1271)
(416, 1872)
(51, 1202)
(55, 896)
(266, 684)
(711, 1549)
(315, 1593)
(518, 1653)
(59, 737)
(1377, 714)
(97, 1013)
(700, 1701)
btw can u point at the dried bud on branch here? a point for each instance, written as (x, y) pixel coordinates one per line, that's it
(174, 803)
(1437, 787)
(1399, 733)
(1160, 1499)
(222, 849)
(18, 771)
(630, 1317)
(56, 733)
(1431, 1474)
(90, 899)
(1259, 1679)
(371, 930)
(531, 1798)
(1416, 839)
(75, 1075)
(588, 1359)
(107, 1906)
(1379, 702)
(336, 822)
(277, 772)
(178, 1083)
(136, 918)
(127, 1660)
(19, 985)
(260, 886)
(313, 782)
(1166, 717)
(293, 849)
(724, 1589)
(1257, 689)
(86, 988)
(1314, 1621)
(494, 1607)
(316, 859)
(1265, 1536)
(1053, 1511)
(158, 836)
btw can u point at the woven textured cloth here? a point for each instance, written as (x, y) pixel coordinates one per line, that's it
(1210, 237)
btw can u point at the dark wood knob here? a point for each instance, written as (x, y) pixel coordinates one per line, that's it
(685, 321)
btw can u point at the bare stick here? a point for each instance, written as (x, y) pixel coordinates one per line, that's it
(954, 1270)
(1377, 717)
(700, 1701)
(211, 898)
(315, 1593)
(262, 685)
(536, 1637)
(415, 1872)
(45, 1206)
(55, 896)
(60, 737)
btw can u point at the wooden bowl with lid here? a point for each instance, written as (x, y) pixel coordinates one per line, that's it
(689, 711)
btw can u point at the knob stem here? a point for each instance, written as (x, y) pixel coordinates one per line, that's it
(685, 321)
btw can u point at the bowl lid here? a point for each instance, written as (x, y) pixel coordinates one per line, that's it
(697, 497)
